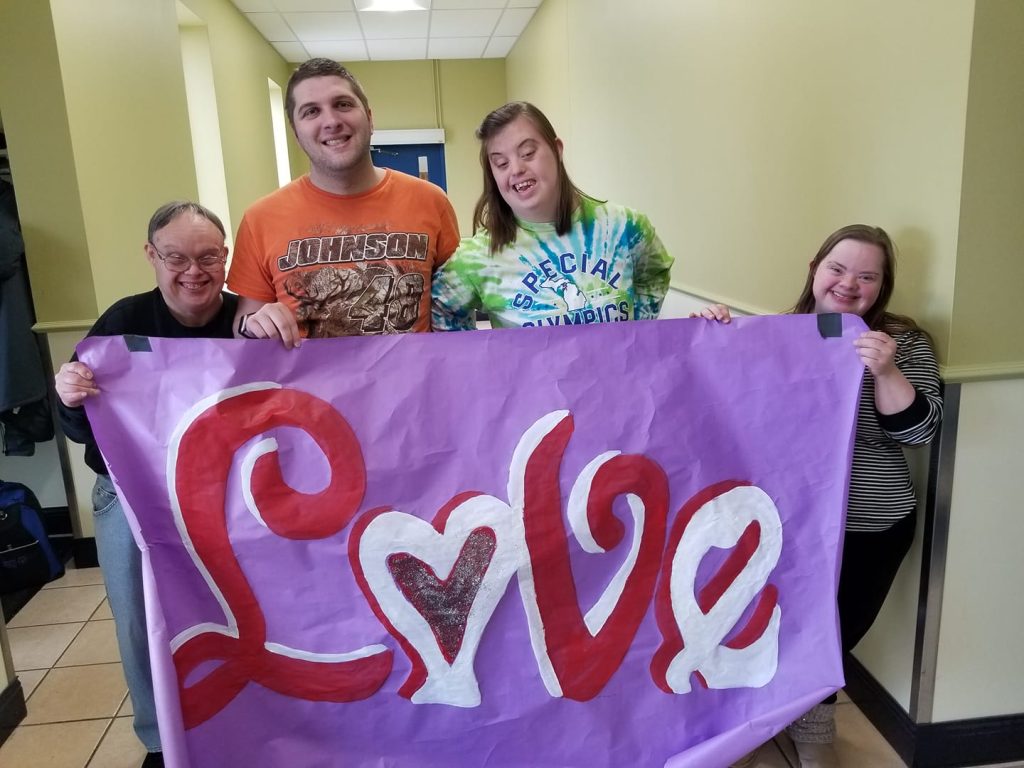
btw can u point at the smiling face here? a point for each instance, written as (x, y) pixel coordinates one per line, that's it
(334, 128)
(849, 278)
(192, 296)
(525, 170)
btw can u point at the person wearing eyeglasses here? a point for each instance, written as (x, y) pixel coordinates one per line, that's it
(185, 246)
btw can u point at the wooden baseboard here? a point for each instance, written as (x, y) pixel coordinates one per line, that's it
(949, 744)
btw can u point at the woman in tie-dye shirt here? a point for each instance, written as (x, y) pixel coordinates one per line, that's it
(544, 253)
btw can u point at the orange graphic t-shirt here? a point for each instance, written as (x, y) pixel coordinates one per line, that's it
(347, 265)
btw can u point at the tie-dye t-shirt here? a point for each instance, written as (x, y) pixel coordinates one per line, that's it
(610, 266)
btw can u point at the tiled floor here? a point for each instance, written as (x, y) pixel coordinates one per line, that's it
(79, 715)
(65, 655)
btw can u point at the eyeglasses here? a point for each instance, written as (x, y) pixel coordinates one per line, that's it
(176, 262)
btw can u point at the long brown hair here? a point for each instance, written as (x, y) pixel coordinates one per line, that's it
(876, 318)
(492, 213)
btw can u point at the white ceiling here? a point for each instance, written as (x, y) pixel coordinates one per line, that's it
(451, 29)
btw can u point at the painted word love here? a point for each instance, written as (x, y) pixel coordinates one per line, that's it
(435, 585)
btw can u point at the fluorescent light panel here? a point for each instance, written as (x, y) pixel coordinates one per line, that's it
(392, 6)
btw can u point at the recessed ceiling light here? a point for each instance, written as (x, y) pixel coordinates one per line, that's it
(392, 6)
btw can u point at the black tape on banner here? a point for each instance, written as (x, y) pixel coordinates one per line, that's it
(830, 325)
(137, 343)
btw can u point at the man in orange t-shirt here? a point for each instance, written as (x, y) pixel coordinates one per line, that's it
(348, 249)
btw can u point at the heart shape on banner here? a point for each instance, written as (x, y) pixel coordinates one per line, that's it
(445, 603)
(435, 587)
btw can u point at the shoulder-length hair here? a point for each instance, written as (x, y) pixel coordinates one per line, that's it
(876, 318)
(492, 213)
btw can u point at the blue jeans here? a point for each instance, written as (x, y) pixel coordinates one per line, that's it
(121, 562)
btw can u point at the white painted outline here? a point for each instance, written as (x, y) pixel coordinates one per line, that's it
(597, 616)
(454, 684)
(526, 447)
(261, 448)
(230, 628)
(719, 523)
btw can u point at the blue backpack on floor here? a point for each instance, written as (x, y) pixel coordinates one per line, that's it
(27, 558)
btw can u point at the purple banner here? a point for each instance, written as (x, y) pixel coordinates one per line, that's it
(603, 546)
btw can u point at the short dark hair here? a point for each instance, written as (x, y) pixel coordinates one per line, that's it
(168, 212)
(320, 68)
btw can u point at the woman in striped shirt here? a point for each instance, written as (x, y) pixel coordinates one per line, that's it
(854, 271)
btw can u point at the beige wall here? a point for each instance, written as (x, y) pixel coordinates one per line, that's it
(980, 667)
(988, 333)
(242, 63)
(101, 138)
(43, 164)
(469, 90)
(750, 130)
(129, 130)
(453, 95)
(539, 69)
(401, 93)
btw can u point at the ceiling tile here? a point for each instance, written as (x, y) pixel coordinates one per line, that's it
(513, 22)
(465, 5)
(291, 52)
(463, 23)
(301, 28)
(456, 47)
(339, 50)
(324, 26)
(381, 26)
(312, 6)
(272, 26)
(255, 6)
(396, 50)
(499, 47)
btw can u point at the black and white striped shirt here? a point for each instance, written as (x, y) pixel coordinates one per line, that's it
(881, 492)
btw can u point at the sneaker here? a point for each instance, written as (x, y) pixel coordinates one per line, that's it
(817, 755)
(153, 760)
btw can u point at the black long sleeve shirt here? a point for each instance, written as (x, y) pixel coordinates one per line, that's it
(145, 314)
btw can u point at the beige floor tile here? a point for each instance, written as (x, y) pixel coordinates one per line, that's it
(30, 678)
(77, 693)
(63, 745)
(77, 577)
(103, 612)
(126, 709)
(858, 743)
(95, 644)
(785, 746)
(120, 748)
(40, 647)
(770, 756)
(842, 697)
(60, 606)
